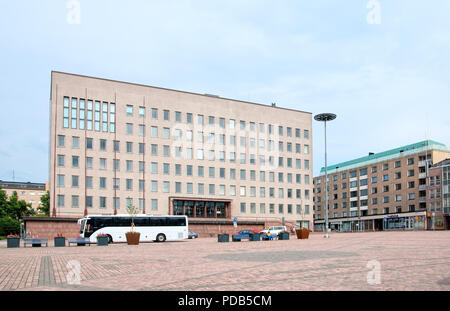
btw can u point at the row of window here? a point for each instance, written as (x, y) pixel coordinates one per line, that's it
(281, 210)
(103, 201)
(386, 210)
(243, 125)
(189, 171)
(96, 115)
(374, 180)
(189, 187)
(23, 192)
(364, 202)
(363, 192)
(129, 145)
(363, 171)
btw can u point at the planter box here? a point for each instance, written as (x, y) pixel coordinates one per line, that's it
(223, 238)
(302, 233)
(283, 236)
(133, 238)
(102, 241)
(59, 242)
(255, 237)
(13, 242)
(235, 238)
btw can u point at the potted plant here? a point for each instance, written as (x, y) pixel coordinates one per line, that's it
(132, 236)
(255, 235)
(223, 237)
(102, 239)
(283, 235)
(60, 240)
(81, 241)
(302, 233)
(12, 241)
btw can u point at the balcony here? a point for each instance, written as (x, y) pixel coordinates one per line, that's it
(422, 175)
(422, 187)
(422, 199)
(422, 163)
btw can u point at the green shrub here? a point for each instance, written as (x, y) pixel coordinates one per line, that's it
(9, 226)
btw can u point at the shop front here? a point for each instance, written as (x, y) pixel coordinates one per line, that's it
(399, 222)
(405, 221)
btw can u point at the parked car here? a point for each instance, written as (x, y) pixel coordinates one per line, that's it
(274, 230)
(243, 234)
(192, 235)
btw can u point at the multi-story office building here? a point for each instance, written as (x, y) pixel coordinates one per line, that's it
(172, 152)
(27, 191)
(381, 191)
(438, 196)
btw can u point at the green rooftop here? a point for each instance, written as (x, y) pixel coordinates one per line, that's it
(387, 155)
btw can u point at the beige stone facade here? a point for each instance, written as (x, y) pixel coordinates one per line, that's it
(173, 152)
(382, 191)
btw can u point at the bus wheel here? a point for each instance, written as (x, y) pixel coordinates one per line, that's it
(110, 239)
(160, 237)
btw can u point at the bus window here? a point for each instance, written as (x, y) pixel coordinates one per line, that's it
(140, 222)
(123, 222)
(158, 221)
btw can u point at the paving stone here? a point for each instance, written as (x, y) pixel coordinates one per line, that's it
(417, 260)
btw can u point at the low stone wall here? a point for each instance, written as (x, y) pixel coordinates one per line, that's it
(49, 227)
(206, 230)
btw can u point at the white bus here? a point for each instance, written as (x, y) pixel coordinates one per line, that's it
(152, 228)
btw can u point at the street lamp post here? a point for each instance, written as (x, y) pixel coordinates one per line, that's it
(325, 117)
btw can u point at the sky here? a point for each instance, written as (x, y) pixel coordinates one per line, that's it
(381, 66)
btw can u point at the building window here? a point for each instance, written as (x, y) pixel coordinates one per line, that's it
(102, 183)
(60, 180)
(60, 200)
(177, 116)
(89, 162)
(102, 202)
(129, 110)
(178, 187)
(129, 184)
(232, 190)
(166, 186)
(75, 161)
(242, 191)
(75, 201)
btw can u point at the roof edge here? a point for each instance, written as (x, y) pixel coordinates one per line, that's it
(174, 90)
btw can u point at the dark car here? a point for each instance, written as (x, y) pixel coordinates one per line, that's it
(192, 235)
(243, 234)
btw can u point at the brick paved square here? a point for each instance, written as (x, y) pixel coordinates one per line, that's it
(417, 260)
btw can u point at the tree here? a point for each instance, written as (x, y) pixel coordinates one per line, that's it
(12, 210)
(3, 203)
(17, 209)
(44, 207)
(132, 211)
(9, 226)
